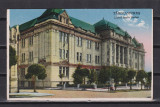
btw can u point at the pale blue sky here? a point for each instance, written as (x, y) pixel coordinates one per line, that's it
(141, 27)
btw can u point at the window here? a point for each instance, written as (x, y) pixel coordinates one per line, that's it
(89, 58)
(89, 44)
(96, 45)
(23, 57)
(60, 19)
(79, 56)
(79, 41)
(63, 37)
(66, 37)
(60, 36)
(67, 54)
(60, 53)
(63, 54)
(31, 56)
(63, 19)
(67, 21)
(64, 70)
(31, 40)
(97, 59)
(67, 72)
(23, 43)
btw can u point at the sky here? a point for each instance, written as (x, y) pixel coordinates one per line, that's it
(137, 22)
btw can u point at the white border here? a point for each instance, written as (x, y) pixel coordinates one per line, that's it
(75, 99)
(8, 22)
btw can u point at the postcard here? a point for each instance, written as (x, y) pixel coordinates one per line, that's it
(80, 54)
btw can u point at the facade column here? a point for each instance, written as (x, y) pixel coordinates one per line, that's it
(51, 44)
(115, 54)
(133, 59)
(118, 55)
(123, 56)
(138, 62)
(128, 56)
(110, 52)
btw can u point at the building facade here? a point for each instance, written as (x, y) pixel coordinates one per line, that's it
(61, 42)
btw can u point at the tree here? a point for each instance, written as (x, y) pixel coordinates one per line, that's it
(140, 77)
(131, 75)
(77, 78)
(34, 71)
(124, 75)
(104, 75)
(42, 77)
(92, 77)
(118, 73)
(148, 79)
(12, 60)
(12, 56)
(84, 74)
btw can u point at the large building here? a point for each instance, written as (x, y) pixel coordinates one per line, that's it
(61, 42)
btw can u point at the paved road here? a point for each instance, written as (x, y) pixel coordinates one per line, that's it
(92, 94)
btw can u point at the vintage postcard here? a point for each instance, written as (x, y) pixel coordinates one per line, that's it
(80, 54)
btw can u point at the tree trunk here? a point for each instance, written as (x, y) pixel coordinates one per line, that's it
(115, 86)
(84, 84)
(130, 85)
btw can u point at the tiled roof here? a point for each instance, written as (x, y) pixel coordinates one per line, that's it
(104, 24)
(48, 14)
(27, 25)
(83, 25)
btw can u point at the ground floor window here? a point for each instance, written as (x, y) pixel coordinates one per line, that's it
(64, 70)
